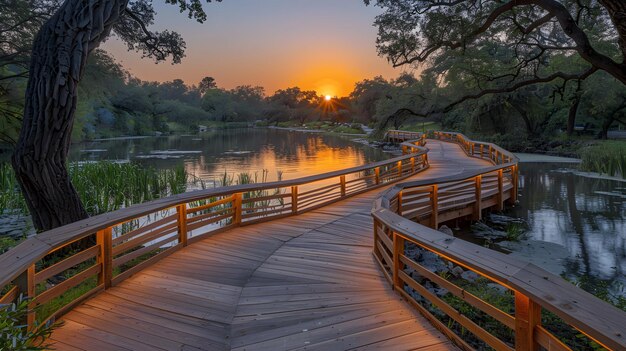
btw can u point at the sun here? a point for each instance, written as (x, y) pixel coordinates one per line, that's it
(328, 97)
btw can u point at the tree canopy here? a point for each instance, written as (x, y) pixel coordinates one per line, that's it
(502, 46)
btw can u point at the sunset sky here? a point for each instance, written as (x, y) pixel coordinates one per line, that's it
(323, 45)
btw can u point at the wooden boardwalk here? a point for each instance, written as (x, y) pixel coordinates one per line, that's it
(303, 282)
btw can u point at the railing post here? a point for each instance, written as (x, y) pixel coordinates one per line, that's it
(377, 175)
(104, 239)
(399, 203)
(398, 249)
(481, 151)
(478, 209)
(515, 176)
(342, 180)
(25, 283)
(399, 168)
(490, 153)
(412, 165)
(181, 211)
(294, 199)
(527, 317)
(500, 191)
(237, 204)
(434, 217)
(404, 150)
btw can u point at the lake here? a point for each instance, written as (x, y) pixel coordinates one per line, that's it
(583, 217)
(209, 155)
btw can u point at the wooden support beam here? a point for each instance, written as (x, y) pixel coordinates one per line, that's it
(104, 240)
(399, 168)
(500, 204)
(398, 250)
(434, 217)
(294, 199)
(412, 165)
(237, 207)
(25, 284)
(527, 317)
(377, 175)
(477, 215)
(399, 204)
(181, 211)
(342, 180)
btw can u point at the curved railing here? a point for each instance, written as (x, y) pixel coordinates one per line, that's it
(405, 219)
(57, 275)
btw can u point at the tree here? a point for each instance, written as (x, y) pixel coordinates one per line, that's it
(206, 84)
(57, 63)
(526, 35)
(19, 22)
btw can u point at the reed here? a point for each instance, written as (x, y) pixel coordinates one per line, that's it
(607, 158)
(103, 186)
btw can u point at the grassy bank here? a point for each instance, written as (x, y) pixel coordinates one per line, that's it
(327, 126)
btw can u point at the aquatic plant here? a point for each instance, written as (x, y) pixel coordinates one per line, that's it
(515, 231)
(103, 186)
(607, 158)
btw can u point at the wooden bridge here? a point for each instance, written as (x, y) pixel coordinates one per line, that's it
(289, 265)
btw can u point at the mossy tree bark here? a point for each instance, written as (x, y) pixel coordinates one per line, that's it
(58, 60)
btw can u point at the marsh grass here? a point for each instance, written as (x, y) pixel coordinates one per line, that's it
(103, 186)
(255, 178)
(607, 158)
(106, 186)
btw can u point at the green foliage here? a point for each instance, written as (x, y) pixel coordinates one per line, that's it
(608, 158)
(14, 333)
(515, 231)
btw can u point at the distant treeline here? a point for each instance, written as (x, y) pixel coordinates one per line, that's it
(468, 91)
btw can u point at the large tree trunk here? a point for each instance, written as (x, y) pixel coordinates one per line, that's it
(58, 60)
(571, 116)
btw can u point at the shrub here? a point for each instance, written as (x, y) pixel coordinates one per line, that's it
(14, 334)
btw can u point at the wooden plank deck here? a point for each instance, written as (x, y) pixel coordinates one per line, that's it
(303, 282)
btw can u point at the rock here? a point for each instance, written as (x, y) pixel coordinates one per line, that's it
(503, 221)
(457, 271)
(431, 261)
(446, 230)
(469, 276)
(547, 255)
(498, 287)
(482, 230)
(440, 292)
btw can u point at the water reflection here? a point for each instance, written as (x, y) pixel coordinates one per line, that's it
(585, 215)
(211, 154)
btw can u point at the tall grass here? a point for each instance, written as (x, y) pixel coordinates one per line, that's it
(11, 199)
(103, 186)
(607, 158)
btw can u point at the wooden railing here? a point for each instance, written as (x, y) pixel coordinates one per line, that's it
(52, 271)
(405, 219)
(399, 136)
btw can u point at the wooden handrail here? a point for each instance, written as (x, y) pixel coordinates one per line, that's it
(121, 250)
(410, 212)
